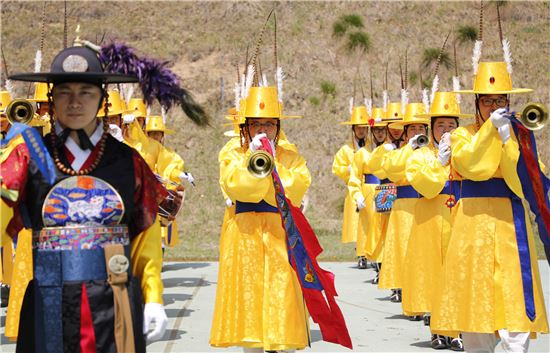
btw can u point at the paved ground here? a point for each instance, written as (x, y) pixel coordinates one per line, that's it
(375, 324)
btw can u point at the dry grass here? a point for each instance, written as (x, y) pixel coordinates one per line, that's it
(204, 39)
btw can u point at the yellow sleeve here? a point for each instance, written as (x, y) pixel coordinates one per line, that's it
(395, 163)
(355, 183)
(376, 162)
(294, 175)
(342, 162)
(226, 154)
(425, 173)
(476, 157)
(146, 254)
(170, 165)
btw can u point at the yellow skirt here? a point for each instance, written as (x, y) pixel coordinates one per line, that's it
(170, 237)
(482, 286)
(422, 272)
(351, 219)
(395, 244)
(370, 229)
(259, 302)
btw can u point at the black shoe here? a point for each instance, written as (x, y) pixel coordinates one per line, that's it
(376, 278)
(4, 295)
(427, 318)
(439, 342)
(456, 344)
(362, 263)
(415, 318)
(395, 297)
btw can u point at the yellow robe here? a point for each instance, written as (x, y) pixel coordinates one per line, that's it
(341, 167)
(259, 302)
(400, 221)
(369, 235)
(431, 229)
(482, 283)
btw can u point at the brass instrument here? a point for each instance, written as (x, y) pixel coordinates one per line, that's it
(20, 111)
(260, 164)
(422, 141)
(533, 116)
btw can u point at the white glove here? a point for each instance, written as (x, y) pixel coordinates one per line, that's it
(389, 147)
(228, 202)
(184, 176)
(413, 143)
(349, 168)
(444, 153)
(154, 312)
(360, 202)
(128, 118)
(255, 144)
(116, 132)
(498, 119)
(445, 138)
(504, 132)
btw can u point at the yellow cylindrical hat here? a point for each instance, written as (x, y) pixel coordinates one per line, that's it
(380, 117)
(136, 107)
(40, 92)
(263, 103)
(394, 111)
(156, 123)
(5, 100)
(116, 105)
(359, 116)
(493, 78)
(412, 110)
(445, 104)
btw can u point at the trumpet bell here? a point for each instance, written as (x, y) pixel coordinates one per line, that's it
(260, 164)
(422, 141)
(20, 111)
(534, 116)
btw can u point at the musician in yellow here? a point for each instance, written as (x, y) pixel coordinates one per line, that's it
(488, 276)
(41, 120)
(259, 303)
(361, 188)
(427, 171)
(341, 167)
(401, 216)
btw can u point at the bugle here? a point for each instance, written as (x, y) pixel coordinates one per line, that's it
(20, 111)
(422, 141)
(260, 164)
(533, 116)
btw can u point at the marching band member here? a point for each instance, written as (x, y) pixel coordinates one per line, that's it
(341, 167)
(361, 188)
(427, 171)
(259, 304)
(401, 216)
(491, 281)
(80, 178)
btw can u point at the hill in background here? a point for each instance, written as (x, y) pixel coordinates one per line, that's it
(203, 40)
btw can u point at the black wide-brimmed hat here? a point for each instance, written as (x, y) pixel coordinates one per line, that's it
(75, 64)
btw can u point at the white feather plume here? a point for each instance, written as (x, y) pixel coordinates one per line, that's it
(456, 87)
(385, 100)
(476, 55)
(38, 61)
(435, 87)
(148, 110)
(164, 114)
(351, 105)
(264, 80)
(243, 86)
(249, 80)
(425, 99)
(507, 54)
(9, 88)
(280, 75)
(404, 100)
(368, 104)
(237, 91)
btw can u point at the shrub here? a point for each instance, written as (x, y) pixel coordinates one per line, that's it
(328, 88)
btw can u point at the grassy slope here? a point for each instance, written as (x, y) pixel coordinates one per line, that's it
(203, 40)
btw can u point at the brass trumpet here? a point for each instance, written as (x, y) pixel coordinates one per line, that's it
(422, 141)
(260, 164)
(20, 111)
(533, 116)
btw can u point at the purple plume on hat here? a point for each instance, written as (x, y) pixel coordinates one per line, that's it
(155, 79)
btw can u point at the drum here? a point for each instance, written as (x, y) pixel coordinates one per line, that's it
(384, 197)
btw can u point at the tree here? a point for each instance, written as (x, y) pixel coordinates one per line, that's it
(430, 55)
(466, 34)
(349, 26)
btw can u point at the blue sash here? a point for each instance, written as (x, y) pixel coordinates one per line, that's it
(262, 206)
(407, 192)
(371, 179)
(497, 187)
